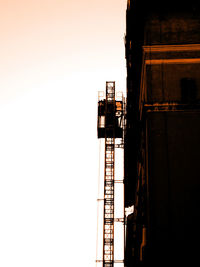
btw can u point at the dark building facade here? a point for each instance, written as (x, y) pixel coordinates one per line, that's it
(162, 138)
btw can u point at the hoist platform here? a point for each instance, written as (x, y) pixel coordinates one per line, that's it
(110, 113)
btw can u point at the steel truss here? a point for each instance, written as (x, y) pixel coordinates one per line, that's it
(110, 127)
(109, 174)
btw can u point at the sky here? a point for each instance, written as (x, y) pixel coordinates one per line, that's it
(55, 56)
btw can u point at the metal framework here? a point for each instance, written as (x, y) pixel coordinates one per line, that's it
(108, 228)
(110, 127)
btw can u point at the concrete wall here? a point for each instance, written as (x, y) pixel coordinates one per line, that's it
(164, 81)
(172, 29)
(174, 184)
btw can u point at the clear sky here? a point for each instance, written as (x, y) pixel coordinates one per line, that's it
(55, 56)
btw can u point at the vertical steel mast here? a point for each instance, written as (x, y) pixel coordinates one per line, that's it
(109, 174)
(110, 127)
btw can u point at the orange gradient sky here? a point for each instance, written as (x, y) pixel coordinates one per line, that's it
(55, 56)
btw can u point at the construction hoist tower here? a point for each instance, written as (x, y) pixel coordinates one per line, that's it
(110, 127)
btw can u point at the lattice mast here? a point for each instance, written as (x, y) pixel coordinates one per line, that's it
(110, 126)
(109, 174)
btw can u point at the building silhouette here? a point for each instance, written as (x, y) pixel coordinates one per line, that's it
(162, 138)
